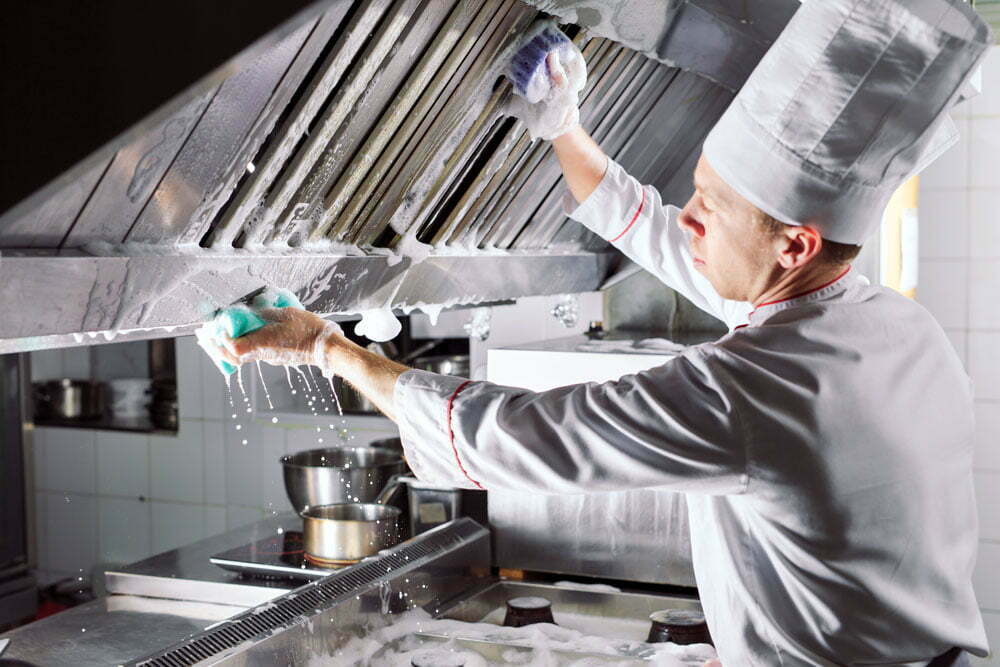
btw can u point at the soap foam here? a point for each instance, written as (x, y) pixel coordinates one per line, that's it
(537, 644)
(378, 325)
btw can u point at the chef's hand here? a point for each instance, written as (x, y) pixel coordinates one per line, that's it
(557, 112)
(714, 662)
(292, 337)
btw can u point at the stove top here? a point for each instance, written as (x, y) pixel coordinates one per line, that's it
(278, 556)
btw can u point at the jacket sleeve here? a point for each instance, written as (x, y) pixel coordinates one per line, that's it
(671, 426)
(634, 220)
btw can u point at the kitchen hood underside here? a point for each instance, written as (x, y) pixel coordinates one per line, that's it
(317, 167)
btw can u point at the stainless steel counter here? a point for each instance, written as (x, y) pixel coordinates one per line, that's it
(186, 574)
(111, 631)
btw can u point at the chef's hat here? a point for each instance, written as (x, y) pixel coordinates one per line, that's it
(849, 102)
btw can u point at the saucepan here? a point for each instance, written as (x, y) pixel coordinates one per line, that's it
(344, 533)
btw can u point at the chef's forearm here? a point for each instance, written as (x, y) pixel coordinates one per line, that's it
(371, 374)
(582, 160)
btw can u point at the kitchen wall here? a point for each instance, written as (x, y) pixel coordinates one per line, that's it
(113, 497)
(960, 284)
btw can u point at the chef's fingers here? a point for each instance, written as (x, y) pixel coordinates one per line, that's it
(231, 357)
(247, 344)
(556, 71)
(280, 314)
(714, 662)
(575, 67)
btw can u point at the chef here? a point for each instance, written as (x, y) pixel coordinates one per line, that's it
(825, 442)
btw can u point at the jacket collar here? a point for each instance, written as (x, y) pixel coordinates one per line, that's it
(833, 288)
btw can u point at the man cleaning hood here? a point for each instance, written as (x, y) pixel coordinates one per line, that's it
(825, 441)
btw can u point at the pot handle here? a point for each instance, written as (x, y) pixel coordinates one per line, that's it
(391, 487)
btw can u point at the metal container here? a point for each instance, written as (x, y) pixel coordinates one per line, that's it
(392, 444)
(340, 534)
(430, 505)
(338, 475)
(344, 533)
(69, 399)
(446, 364)
(350, 399)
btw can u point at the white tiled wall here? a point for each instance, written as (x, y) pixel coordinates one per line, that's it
(960, 284)
(114, 497)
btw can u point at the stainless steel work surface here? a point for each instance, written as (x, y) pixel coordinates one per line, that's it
(111, 631)
(593, 625)
(594, 610)
(186, 573)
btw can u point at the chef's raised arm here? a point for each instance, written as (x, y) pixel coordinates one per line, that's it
(633, 218)
(672, 426)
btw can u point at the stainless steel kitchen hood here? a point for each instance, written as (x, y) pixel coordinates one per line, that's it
(357, 139)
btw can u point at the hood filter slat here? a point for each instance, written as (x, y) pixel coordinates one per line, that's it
(383, 118)
(352, 111)
(244, 217)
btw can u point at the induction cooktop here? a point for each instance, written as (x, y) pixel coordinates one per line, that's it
(278, 556)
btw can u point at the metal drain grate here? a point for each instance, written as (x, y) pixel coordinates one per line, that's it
(313, 598)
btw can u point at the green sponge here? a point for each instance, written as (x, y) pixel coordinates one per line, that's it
(239, 320)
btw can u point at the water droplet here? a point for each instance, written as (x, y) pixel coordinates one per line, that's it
(244, 441)
(274, 420)
(263, 385)
(239, 426)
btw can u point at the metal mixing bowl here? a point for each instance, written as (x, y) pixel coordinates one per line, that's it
(338, 475)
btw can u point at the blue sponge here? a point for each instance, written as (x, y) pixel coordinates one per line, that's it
(525, 71)
(239, 320)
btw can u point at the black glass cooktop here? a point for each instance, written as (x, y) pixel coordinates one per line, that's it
(279, 556)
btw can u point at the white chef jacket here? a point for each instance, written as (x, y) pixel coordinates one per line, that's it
(824, 443)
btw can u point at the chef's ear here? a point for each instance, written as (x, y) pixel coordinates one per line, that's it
(799, 246)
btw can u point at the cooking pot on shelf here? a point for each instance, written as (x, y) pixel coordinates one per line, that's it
(344, 533)
(339, 475)
(446, 364)
(68, 399)
(353, 401)
(350, 399)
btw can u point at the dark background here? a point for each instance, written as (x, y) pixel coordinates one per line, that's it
(74, 74)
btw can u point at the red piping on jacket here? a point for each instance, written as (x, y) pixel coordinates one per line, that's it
(794, 296)
(802, 294)
(451, 432)
(635, 217)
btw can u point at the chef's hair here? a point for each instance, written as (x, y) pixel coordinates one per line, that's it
(831, 252)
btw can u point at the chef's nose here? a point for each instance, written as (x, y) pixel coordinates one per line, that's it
(687, 222)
